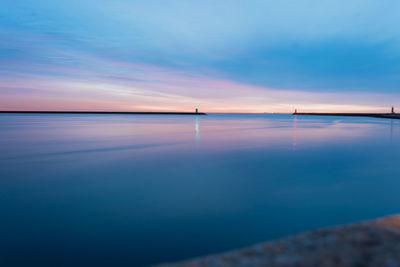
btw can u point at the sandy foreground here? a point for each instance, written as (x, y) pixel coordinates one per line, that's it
(369, 243)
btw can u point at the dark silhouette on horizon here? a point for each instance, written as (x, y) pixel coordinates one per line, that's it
(103, 112)
(391, 115)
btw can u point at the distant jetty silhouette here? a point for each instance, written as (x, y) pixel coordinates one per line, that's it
(391, 115)
(101, 112)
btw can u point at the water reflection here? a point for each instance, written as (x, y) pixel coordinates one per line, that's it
(197, 131)
(391, 130)
(294, 131)
(32, 135)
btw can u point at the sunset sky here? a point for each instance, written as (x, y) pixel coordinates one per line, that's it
(220, 56)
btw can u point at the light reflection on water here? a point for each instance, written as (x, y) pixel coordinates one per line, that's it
(133, 190)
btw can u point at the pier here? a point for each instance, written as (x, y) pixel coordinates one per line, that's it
(373, 115)
(100, 112)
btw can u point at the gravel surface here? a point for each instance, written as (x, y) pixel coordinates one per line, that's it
(370, 243)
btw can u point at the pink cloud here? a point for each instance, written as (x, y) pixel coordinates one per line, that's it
(131, 86)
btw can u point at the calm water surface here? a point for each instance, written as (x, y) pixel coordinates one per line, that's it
(123, 190)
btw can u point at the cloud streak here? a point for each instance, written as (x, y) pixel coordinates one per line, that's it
(230, 56)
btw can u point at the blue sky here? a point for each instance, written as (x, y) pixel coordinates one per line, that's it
(247, 56)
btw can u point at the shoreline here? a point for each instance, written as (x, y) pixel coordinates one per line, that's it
(366, 243)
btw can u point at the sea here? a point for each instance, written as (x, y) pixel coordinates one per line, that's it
(138, 190)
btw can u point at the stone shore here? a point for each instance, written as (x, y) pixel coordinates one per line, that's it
(369, 243)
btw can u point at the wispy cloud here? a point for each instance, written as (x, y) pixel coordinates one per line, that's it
(220, 56)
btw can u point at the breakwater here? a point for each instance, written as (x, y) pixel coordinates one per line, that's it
(373, 115)
(100, 112)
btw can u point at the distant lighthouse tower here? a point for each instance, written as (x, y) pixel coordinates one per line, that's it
(197, 110)
(392, 110)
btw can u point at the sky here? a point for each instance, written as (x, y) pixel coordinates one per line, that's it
(219, 56)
